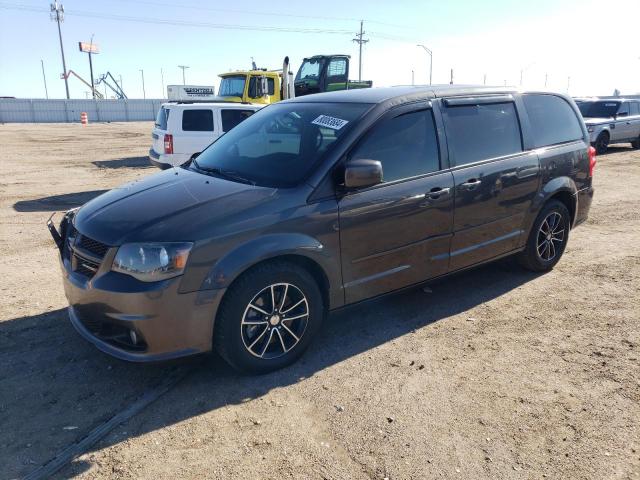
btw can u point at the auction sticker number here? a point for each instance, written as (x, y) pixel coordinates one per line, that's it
(330, 122)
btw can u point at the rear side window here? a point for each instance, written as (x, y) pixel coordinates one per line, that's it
(552, 120)
(480, 132)
(197, 121)
(162, 118)
(406, 146)
(231, 118)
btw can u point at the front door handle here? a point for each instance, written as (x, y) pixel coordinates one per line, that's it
(471, 184)
(437, 192)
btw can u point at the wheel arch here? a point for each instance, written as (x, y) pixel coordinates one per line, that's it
(299, 249)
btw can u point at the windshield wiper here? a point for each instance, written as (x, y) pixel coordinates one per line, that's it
(228, 174)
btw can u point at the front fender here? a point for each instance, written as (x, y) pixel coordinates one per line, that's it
(270, 246)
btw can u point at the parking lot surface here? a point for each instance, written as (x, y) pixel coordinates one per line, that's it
(496, 373)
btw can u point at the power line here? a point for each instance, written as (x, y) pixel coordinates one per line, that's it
(187, 23)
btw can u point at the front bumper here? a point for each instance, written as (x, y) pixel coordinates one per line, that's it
(106, 307)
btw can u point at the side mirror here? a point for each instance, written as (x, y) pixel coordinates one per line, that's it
(622, 114)
(362, 173)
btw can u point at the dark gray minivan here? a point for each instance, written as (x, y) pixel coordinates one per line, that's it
(320, 202)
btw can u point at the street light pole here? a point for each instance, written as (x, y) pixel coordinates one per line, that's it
(430, 61)
(144, 94)
(183, 67)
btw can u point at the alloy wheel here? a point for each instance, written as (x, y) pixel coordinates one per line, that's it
(550, 236)
(274, 320)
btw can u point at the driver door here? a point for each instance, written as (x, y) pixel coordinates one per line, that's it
(397, 233)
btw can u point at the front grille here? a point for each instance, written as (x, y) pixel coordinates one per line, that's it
(85, 267)
(85, 253)
(93, 246)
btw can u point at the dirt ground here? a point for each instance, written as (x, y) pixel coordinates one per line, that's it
(498, 373)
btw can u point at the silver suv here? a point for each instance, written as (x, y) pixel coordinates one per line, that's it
(611, 121)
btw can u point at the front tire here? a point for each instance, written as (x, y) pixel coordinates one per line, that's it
(547, 239)
(268, 317)
(636, 143)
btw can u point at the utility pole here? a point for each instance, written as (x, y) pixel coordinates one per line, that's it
(144, 94)
(413, 78)
(46, 92)
(57, 14)
(451, 82)
(546, 76)
(360, 41)
(484, 82)
(430, 61)
(183, 67)
(162, 80)
(120, 76)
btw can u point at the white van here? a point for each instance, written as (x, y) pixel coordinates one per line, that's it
(183, 129)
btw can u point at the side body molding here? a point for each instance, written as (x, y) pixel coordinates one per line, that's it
(269, 246)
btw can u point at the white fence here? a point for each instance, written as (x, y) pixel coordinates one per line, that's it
(27, 110)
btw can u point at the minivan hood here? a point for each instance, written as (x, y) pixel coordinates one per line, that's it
(173, 205)
(596, 120)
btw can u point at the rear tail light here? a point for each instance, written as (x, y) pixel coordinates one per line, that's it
(168, 143)
(592, 160)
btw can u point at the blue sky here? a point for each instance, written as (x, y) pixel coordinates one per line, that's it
(565, 40)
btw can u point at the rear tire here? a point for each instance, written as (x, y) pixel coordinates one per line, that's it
(636, 143)
(547, 239)
(268, 317)
(602, 143)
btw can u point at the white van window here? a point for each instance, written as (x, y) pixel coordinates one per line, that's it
(232, 117)
(197, 121)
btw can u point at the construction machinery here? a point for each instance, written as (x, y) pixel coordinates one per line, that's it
(326, 73)
(96, 93)
(260, 86)
(113, 84)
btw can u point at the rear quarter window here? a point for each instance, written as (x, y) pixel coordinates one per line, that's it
(232, 117)
(552, 120)
(162, 118)
(197, 121)
(481, 132)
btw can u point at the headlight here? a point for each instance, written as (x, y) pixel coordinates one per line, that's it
(152, 262)
(590, 129)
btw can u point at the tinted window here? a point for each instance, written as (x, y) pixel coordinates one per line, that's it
(552, 120)
(197, 121)
(604, 109)
(635, 108)
(162, 118)
(624, 109)
(406, 146)
(279, 145)
(231, 118)
(480, 132)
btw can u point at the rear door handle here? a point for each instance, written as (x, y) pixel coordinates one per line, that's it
(437, 192)
(471, 184)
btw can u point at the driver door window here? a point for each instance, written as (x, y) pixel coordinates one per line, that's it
(406, 146)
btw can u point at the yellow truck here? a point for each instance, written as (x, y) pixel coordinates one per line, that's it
(260, 86)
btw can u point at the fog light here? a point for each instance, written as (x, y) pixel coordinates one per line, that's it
(133, 336)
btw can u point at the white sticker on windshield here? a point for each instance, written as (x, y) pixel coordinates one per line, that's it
(330, 122)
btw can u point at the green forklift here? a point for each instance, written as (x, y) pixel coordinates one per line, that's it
(325, 73)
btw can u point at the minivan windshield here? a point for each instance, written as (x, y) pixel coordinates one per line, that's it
(279, 145)
(598, 109)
